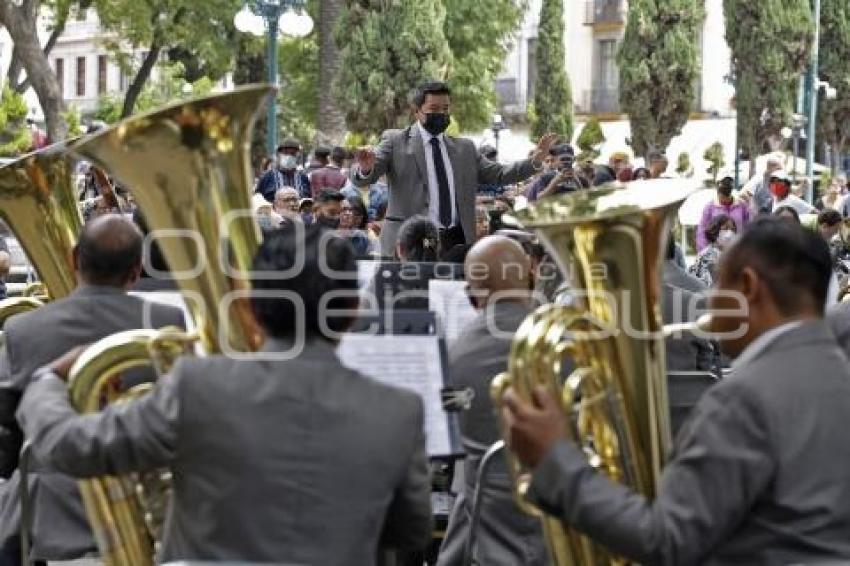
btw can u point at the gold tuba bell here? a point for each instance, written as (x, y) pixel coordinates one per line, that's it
(38, 203)
(609, 242)
(188, 166)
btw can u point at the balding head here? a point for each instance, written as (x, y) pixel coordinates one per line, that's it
(497, 268)
(109, 252)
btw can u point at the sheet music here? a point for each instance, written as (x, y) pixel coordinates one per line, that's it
(410, 362)
(449, 301)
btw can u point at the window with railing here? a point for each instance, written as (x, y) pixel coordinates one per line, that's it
(605, 12)
(101, 73)
(60, 75)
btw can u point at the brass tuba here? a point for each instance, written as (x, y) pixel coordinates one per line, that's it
(188, 166)
(609, 242)
(38, 203)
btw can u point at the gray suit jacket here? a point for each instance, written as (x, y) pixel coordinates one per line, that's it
(674, 275)
(301, 461)
(32, 340)
(684, 351)
(838, 318)
(758, 475)
(401, 157)
(506, 536)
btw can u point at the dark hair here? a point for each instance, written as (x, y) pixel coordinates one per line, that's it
(712, 230)
(322, 152)
(417, 99)
(830, 217)
(794, 262)
(360, 208)
(109, 250)
(671, 247)
(338, 154)
(328, 195)
(280, 251)
(641, 171)
(419, 240)
(790, 210)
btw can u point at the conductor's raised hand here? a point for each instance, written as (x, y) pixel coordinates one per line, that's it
(532, 428)
(365, 157)
(543, 146)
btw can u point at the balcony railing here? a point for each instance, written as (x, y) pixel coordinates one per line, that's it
(602, 101)
(604, 12)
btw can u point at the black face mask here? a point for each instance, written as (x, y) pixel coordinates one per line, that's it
(436, 123)
(328, 222)
(725, 190)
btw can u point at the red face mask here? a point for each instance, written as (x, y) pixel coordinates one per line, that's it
(779, 190)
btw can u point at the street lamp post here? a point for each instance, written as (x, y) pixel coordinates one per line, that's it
(497, 126)
(259, 17)
(812, 91)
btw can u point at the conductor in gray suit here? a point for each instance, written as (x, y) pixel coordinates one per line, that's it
(108, 261)
(498, 272)
(759, 473)
(282, 457)
(435, 175)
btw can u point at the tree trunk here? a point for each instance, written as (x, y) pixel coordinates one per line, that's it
(331, 120)
(140, 79)
(20, 21)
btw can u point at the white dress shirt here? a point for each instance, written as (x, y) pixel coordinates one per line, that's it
(763, 341)
(795, 202)
(433, 185)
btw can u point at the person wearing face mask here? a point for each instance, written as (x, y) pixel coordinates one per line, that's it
(780, 188)
(720, 233)
(433, 174)
(724, 203)
(285, 173)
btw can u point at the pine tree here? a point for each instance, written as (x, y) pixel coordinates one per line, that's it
(553, 101)
(387, 49)
(771, 45)
(834, 115)
(658, 62)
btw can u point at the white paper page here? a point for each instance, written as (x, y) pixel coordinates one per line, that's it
(409, 362)
(449, 301)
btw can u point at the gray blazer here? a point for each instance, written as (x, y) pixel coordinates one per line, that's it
(678, 277)
(60, 528)
(301, 461)
(506, 536)
(758, 475)
(401, 157)
(838, 318)
(684, 351)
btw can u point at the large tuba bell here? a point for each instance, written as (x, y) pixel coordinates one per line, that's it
(188, 166)
(609, 242)
(38, 204)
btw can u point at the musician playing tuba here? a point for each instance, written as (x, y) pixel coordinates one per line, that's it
(107, 261)
(758, 475)
(282, 456)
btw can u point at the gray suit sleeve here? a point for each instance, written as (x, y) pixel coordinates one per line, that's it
(409, 520)
(722, 465)
(383, 159)
(491, 173)
(138, 435)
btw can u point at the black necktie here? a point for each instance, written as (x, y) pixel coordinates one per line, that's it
(442, 184)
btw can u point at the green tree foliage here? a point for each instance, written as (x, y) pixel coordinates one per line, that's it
(387, 49)
(15, 136)
(683, 165)
(714, 156)
(74, 121)
(479, 36)
(168, 87)
(834, 115)
(771, 44)
(658, 62)
(589, 140)
(553, 101)
(204, 31)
